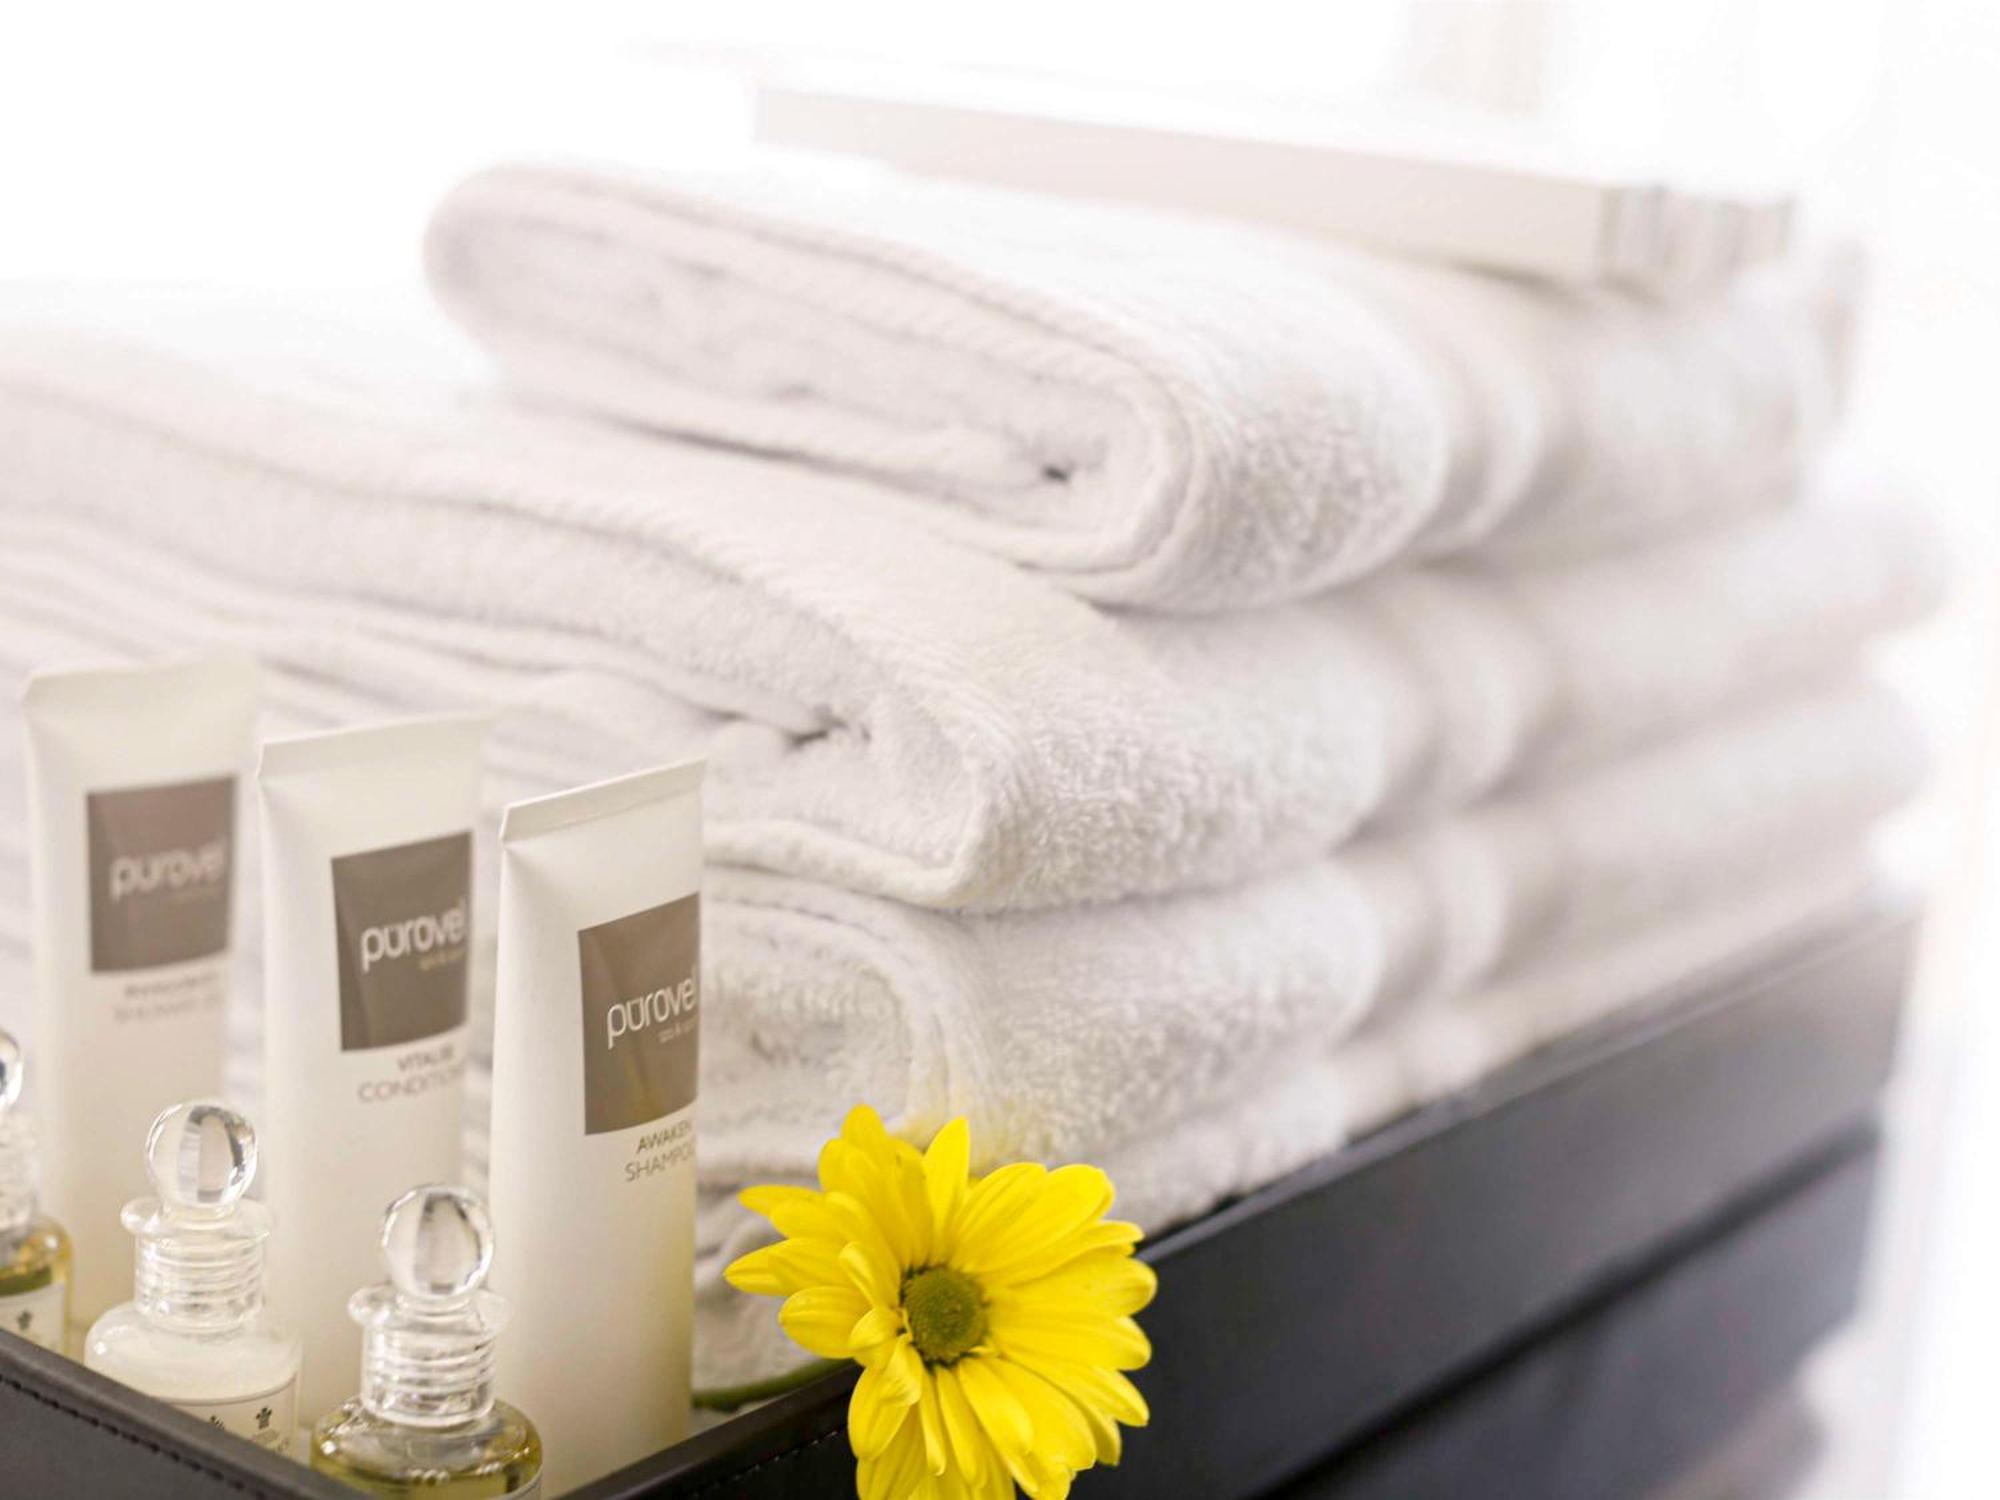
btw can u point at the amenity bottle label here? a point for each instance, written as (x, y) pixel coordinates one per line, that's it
(36, 1316)
(268, 1418)
(641, 985)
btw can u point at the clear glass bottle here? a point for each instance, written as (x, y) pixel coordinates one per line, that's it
(34, 1251)
(195, 1333)
(426, 1421)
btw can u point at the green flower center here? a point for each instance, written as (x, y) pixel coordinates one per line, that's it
(946, 1313)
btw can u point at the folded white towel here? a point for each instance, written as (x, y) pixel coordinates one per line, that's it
(1302, 1107)
(885, 712)
(1060, 1033)
(1149, 410)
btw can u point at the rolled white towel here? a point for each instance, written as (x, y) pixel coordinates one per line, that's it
(884, 711)
(1148, 410)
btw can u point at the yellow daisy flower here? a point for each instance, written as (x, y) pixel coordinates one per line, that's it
(992, 1316)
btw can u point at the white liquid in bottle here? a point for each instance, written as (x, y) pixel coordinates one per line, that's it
(195, 1333)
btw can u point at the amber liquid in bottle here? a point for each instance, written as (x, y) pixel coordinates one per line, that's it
(500, 1454)
(34, 1283)
(34, 1251)
(426, 1421)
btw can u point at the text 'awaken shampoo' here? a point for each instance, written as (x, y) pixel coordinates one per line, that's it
(595, 1052)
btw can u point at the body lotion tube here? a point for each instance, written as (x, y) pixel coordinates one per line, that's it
(132, 821)
(368, 867)
(595, 1046)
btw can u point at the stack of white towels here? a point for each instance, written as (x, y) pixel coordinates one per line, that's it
(1175, 694)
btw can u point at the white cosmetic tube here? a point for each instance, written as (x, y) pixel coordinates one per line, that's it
(595, 1045)
(133, 808)
(368, 940)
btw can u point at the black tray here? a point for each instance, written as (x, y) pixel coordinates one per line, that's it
(1292, 1324)
(1635, 1389)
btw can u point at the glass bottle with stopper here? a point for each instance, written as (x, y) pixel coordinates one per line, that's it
(426, 1420)
(195, 1333)
(34, 1251)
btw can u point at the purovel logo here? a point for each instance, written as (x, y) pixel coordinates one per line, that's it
(661, 1007)
(640, 978)
(168, 870)
(403, 920)
(386, 942)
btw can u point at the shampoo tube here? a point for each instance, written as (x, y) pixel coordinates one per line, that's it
(595, 1045)
(368, 866)
(132, 816)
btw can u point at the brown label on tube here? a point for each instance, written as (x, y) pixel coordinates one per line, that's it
(641, 1015)
(403, 930)
(161, 863)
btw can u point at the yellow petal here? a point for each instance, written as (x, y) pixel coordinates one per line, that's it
(795, 1212)
(1106, 1236)
(1047, 1480)
(1092, 1387)
(970, 1449)
(1065, 1201)
(1040, 1478)
(1107, 1435)
(936, 1450)
(912, 1191)
(1052, 1482)
(994, 1202)
(882, 1399)
(1105, 1397)
(761, 1200)
(906, 1369)
(946, 1168)
(865, 1129)
(786, 1267)
(875, 1277)
(859, 1223)
(897, 1472)
(1117, 1283)
(876, 1178)
(1001, 1415)
(876, 1325)
(1061, 1433)
(822, 1319)
(998, 1481)
(1116, 1343)
(1110, 1281)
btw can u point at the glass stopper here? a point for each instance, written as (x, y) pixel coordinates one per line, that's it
(437, 1243)
(201, 1157)
(10, 1071)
